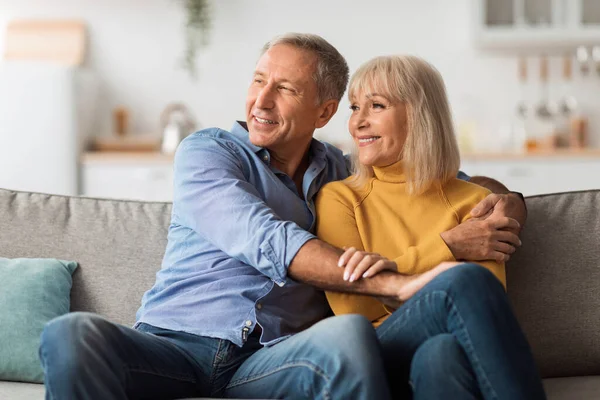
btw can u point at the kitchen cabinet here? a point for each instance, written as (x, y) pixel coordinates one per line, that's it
(538, 175)
(519, 25)
(127, 176)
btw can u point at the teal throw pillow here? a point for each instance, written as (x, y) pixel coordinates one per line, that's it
(32, 292)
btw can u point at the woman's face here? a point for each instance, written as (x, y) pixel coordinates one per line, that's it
(378, 127)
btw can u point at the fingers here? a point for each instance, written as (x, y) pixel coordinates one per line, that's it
(485, 205)
(348, 253)
(365, 264)
(352, 263)
(504, 248)
(507, 237)
(379, 266)
(356, 263)
(499, 256)
(505, 223)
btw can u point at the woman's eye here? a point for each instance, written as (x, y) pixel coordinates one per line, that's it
(354, 107)
(378, 105)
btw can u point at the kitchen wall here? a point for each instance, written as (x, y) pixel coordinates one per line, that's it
(135, 47)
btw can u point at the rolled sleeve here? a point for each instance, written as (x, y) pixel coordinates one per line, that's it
(213, 197)
(290, 240)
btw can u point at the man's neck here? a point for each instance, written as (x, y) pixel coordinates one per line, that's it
(293, 163)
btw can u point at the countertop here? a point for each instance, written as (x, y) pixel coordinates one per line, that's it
(140, 157)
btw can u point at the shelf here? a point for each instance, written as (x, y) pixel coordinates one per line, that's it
(124, 157)
(540, 154)
(510, 38)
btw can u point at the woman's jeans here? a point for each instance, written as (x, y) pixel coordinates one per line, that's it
(460, 326)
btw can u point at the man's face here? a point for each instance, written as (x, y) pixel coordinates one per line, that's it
(281, 107)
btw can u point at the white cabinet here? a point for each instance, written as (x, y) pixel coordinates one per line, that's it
(539, 175)
(132, 179)
(536, 24)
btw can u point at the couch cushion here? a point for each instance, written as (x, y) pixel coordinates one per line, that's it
(554, 282)
(580, 387)
(21, 391)
(34, 291)
(118, 244)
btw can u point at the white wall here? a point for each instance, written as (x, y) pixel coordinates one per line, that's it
(136, 46)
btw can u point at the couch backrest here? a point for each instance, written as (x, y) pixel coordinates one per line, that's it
(553, 280)
(118, 244)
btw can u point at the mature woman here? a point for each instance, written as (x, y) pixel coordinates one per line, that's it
(389, 215)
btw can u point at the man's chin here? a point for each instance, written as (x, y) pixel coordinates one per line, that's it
(257, 140)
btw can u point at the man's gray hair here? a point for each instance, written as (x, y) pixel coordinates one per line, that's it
(331, 75)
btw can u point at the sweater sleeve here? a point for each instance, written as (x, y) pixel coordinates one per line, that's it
(427, 254)
(463, 197)
(336, 225)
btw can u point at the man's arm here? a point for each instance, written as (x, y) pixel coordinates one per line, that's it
(492, 233)
(511, 203)
(316, 264)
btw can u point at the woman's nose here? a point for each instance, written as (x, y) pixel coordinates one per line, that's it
(360, 119)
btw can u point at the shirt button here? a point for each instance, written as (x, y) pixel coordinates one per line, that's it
(259, 306)
(248, 323)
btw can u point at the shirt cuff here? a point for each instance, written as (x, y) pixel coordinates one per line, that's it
(281, 253)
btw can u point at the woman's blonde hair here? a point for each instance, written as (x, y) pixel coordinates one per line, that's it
(430, 153)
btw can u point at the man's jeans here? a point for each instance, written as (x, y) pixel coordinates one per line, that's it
(457, 338)
(86, 357)
(459, 325)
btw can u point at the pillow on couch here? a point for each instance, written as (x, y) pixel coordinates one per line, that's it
(32, 292)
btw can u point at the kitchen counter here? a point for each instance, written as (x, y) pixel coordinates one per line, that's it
(140, 157)
(546, 154)
(125, 157)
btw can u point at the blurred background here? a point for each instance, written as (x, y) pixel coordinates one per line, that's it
(96, 95)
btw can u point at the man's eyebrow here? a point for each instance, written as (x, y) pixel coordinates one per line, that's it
(263, 75)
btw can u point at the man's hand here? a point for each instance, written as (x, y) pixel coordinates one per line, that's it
(490, 238)
(502, 205)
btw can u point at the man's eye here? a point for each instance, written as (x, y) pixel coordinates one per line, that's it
(286, 88)
(258, 80)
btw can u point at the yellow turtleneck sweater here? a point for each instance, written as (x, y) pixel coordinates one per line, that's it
(383, 218)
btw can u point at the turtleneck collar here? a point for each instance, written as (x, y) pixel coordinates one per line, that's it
(391, 173)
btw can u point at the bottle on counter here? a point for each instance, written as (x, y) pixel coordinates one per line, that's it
(542, 133)
(523, 111)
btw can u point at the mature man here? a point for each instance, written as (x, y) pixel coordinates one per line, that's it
(237, 309)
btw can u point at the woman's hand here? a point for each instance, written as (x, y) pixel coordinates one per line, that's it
(362, 264)
(419, 281)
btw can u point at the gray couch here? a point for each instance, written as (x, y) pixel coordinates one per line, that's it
(553, 281)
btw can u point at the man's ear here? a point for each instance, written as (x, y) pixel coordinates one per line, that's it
(327, 110)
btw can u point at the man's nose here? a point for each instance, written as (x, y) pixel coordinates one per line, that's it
(265, 98)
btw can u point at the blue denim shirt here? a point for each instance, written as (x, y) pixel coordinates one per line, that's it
(236, 225)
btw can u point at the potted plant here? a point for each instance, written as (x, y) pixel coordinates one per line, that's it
(197, 30)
